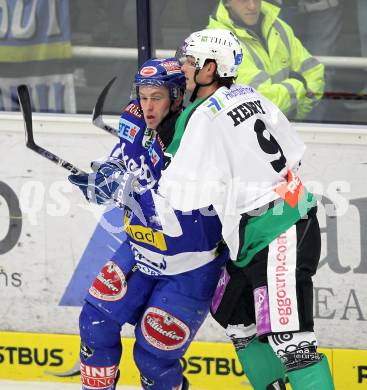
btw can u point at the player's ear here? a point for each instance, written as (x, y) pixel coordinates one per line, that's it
(210, 68)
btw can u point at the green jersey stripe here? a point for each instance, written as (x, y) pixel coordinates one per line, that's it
(258, 232)
(181, 125)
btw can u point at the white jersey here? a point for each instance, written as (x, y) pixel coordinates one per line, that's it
(235, 149)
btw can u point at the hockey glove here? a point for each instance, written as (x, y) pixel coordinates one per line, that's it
(100, 185)
(110, 183)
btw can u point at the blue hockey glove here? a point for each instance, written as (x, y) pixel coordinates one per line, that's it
(100, 185)
(110, 183)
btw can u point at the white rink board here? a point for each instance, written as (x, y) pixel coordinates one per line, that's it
(57, 227)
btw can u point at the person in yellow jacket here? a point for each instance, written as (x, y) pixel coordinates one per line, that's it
(275, 61)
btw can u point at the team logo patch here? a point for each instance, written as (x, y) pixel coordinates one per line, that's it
(145, 269)
(220, 290)
(110, 284)
(171, 67)
(146, 235)
(98, 377)
(134, 110)
(162, 330)
(263, 323)
(128, 130)
(292, 191)
(149, 71)
(217, 40)
(238, 59)
(215, 104)
(147, 382)
(154, 157)
(86, 351)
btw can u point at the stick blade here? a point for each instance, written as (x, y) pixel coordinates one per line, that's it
(98, 108)
(26, 108)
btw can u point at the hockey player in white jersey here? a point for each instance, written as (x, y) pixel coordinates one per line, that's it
(235, 150)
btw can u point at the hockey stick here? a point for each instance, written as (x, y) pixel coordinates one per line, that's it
(25, 105)
(98, 111)
(99, 122)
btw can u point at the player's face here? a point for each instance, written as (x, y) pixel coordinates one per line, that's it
(247, 10)
(155, 103)
(188, 68)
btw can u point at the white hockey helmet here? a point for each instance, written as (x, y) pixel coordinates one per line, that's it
(216, 44)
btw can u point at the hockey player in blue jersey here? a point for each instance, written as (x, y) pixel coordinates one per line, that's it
(161, 284)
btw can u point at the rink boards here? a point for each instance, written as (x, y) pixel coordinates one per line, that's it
(52, 357)
(52, 245)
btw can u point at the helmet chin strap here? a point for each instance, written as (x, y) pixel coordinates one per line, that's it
(198, 86)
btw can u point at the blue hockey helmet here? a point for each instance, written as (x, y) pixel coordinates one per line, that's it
(161, 72)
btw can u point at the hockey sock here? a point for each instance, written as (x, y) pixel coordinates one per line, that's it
(314, 377)
(260, 364)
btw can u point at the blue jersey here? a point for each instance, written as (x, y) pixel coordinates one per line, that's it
(155, 252)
